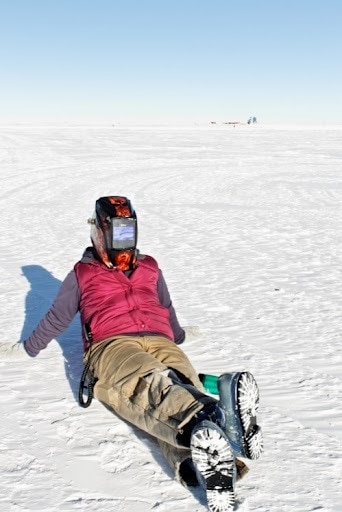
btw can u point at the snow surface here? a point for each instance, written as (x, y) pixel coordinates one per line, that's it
(246, 224)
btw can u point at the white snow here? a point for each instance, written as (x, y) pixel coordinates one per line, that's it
(246, 224)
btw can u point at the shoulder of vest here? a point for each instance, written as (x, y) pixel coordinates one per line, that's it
(81, 265)
(148, 261)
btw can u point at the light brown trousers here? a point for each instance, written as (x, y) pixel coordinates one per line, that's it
(135, 382)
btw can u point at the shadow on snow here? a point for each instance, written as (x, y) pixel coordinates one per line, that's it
(43, 290)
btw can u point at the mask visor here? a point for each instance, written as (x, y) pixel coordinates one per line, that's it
(124, 233)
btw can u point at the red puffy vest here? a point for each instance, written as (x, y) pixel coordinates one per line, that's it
(112, 303)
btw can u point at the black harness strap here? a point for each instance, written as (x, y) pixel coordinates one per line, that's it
(88, 380)
(86, 384)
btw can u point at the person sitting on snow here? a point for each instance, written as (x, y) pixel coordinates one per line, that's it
(134, 364)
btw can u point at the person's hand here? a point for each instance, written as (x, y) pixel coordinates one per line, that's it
(13, 351)
(192, 332)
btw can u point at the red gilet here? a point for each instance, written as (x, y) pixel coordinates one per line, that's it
(112, 303)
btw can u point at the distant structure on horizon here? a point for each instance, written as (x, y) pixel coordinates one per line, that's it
(252, 120)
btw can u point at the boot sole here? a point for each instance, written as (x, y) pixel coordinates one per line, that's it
(239, 398)
(215, 465)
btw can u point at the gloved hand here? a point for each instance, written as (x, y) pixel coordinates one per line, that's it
(13, 351)
(192, 332)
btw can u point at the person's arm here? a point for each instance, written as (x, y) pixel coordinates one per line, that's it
(165, 300)
(58, 317)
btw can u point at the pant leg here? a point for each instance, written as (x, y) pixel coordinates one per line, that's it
(134, 381)
(172, 356)
(175, 457)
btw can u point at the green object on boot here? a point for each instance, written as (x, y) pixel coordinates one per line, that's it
(210, 383)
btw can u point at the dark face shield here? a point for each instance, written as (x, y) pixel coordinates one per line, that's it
(124, 233)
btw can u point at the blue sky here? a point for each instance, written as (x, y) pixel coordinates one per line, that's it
(171, 60)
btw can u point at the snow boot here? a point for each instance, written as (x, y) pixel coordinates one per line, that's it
(215, 465)
(239, 398)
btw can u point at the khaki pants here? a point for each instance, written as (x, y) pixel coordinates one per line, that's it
(135, 381)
